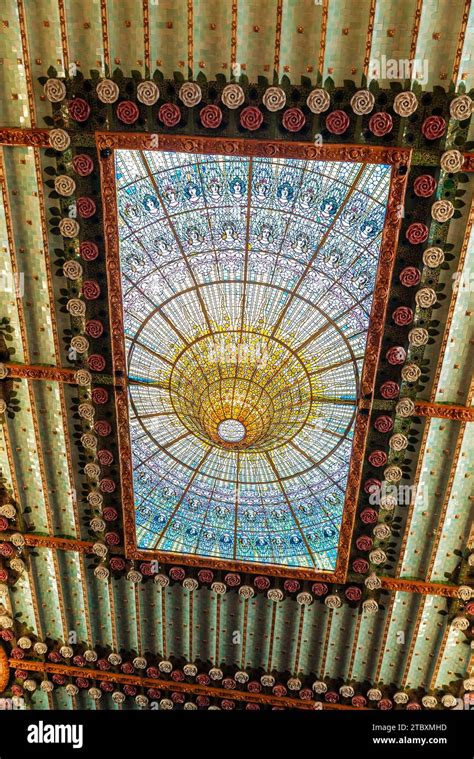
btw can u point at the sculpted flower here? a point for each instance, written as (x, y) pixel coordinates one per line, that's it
(429, 702)
(95, 499)
(405, 407)
(117, 564)
(64, 185)
(134, 577)
(398, 442)
(465, 593)
(205, 575)
(368, 516)
(291, 586)
(449, 701)
(55, 90)
(112, 538)
(452, 161)
(372, 485)
(190, 94)
(385, 704)
(358, 701)
(92, 470)
(100, 395)
(372, 582)
(232, 579)
(337, 122)
(318, 101)
(274, 99)
(161, 580)
(86, 207)
(401, 698)
(100, 549)
(261, 583)
(83, 165)
(79, 110)
(94, 328)
(364, 543)
(211, 116)
(76, 307)
(80, 344)
(393, 474)
(246, 592)
(402, 316)
(69, 227)
(127, 112)
(405, 104)
(107, 485)
(251, 118)
(101, 572)
(370, 607)
(72, 269)
(59, 140)
(389, 390)
(396, 355)
(294, 683)
(106, 458)
(433, 127)
(353, 593)
(190, 584)
(319, 687)
(426, 297)
(304, 599)
(380, 124)
(293, 119)
(362, 102)
(8, 510)
(424, 186)
(190, 670)
(333, 602)
(410, 373)
(88, 250)
(442, 210)
(148, 93)
(275, 594)
(331, 697)
(378, 458)
(169, 115)
(177, 573)
(107, 91)
(383, 424)
(461, 107)
(233, 96)
(418, 336)
(91, 289)
(319, 589)
(433, 257)
(378, 557)
(417, 233)
(97, 364)
(360, 566)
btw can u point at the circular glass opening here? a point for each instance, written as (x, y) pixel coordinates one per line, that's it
(231, 431)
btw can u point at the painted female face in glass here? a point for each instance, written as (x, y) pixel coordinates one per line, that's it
(162, 246)
(151, 204)
(132, 213)
(261, 189)
(369, 229)
(300, 244)
(265, 236)
(329, 207)
(306, 199)
(215, 189)
(237, 188)
(193, 237)
(284, 193)
(192, 192)
(171, 196)
(229, 232)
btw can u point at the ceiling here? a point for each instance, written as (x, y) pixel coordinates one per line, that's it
(246, 625)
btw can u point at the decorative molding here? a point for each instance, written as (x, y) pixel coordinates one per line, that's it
(4, 669)
(31, 138)
(444, 411)
(420, 587)
(55, 374)
(106, 143)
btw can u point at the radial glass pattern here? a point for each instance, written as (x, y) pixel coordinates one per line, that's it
(247, 288)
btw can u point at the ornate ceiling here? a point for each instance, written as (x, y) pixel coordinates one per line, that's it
(151, 552)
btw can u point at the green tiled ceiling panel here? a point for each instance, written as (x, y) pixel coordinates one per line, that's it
(99, 608)
(54, 453)
(460, 512)
(11, 284)
(392, 34)
(345, 51)
(428, 640)
(466, 70)
(44, 46)
(13, 100)
(125, 24)
(84, 33)
(212, 37)
(49, 593)
(300, 49)
(440, 446)
(75, 597)
(370, 643)
(458, 365)
(24, 448)
(340, 642)
(454, 660)
(125, 614)
(168, 36)
(399, 635)
(256, 25)
(315, 630)
(438, 38)
(22, 603)
(29, 250)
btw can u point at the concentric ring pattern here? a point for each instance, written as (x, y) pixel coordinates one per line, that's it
(247, 288)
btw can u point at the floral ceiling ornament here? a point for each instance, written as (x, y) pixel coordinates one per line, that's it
(442, 210)
(461, 107)
(424, 186)
(405, 104)
(190, 94)
(127, 112)
(418, 336)
(59, 140)
(405, 407)
(426, 297)
(148, 93)
(274, 99)
(69, 227)
(293, 119)
(433, 127)
(251, 118)
(380, 124)
(433, 257)
(337, 122)
(55, 90)
(64, 185)
(169, 114)
(362, 102)
(318, 101)
(79, 110)
(233, 96)
(107, 91)
(211, 116)
(452, 161)
(410, 373)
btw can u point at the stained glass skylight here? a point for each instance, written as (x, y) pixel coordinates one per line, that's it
(247, 287)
